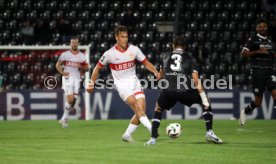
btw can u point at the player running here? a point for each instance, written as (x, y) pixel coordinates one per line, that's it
(179, 64)
(122, 59)
(259, 49)
(74, 64)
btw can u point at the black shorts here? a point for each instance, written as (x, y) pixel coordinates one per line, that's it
(167, 99)
(263, 78)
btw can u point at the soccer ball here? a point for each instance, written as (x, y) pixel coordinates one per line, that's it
(173, 130)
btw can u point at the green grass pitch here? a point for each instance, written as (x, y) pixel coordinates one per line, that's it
(100, 142)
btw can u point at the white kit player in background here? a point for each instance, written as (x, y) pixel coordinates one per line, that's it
(121, 59)
(74, 65)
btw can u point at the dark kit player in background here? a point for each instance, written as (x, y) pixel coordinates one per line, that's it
(259, 49)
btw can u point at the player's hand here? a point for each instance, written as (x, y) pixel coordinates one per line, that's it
(65, 74)
(80, 67)
(157, 75)
(90, 88)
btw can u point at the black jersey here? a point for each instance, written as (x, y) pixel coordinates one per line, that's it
(179, 66)
(260, 60)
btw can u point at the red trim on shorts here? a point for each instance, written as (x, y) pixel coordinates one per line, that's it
(137, 93)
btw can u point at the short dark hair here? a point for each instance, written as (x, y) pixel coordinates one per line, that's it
(179, 41)
(120, 28)
(75, 37)
(261, 20)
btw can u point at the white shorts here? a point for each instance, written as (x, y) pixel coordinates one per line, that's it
(70, 85)
(129, 87)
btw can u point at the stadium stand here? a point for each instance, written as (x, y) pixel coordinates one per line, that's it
(219, 29)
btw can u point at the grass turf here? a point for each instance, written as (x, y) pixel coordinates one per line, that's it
(100, 142)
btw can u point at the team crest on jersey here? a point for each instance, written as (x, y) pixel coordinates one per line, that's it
(131, 56)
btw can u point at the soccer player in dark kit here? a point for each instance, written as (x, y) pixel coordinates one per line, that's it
(259, 49)
(179, 64)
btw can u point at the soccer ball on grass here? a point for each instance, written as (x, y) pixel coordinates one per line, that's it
(173, 130)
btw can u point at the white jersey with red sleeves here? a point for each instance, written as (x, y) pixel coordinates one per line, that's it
(71, 62)
(122, 63)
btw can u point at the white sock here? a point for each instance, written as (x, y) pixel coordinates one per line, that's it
(66, 111)
(145, 121)
(130, 129)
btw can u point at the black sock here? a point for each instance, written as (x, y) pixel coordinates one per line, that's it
(155, 124)
(208, 117)
(250, 107)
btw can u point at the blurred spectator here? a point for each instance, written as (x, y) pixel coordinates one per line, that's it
(64, 28)
(269, 5)
(27, 32)
(272, 30)
(42, 32)
(129, 21)
(201, 53)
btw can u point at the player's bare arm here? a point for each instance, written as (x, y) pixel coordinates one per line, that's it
(94, 77)
(200, 89)
(152, 69)
(60, 70)
(162, 73)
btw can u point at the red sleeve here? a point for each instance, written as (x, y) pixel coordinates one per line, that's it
(100, 64)
(143, 61)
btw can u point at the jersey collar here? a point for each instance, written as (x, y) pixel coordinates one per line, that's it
(74, 52)
(120, 49)
(263, 37)
(179, 50)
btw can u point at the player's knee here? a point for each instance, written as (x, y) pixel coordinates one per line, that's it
(72, 102)
(132, 102)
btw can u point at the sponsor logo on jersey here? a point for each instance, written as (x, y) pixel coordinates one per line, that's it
(71, 64)
(122, 66)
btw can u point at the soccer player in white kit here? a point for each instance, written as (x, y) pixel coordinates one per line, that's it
(121, 59)
(74, 65)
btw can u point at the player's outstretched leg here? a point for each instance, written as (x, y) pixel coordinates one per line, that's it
(242, 118)
(250, 107)
(134, 122)
(133, 125)
(140, 114)
(67, 108)
(64, 119)
(210, 135)
(155, 125)
(212, 138)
